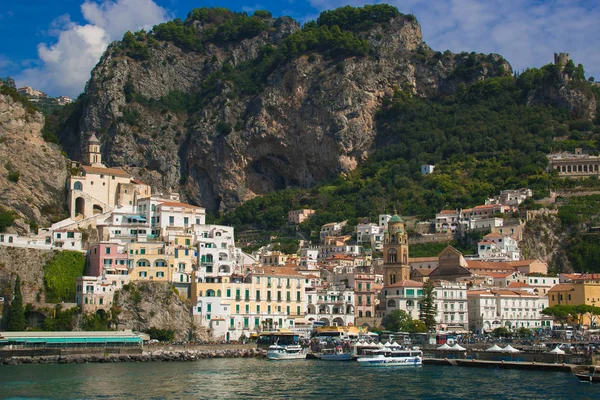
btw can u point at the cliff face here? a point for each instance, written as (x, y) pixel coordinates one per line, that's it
(312, 119)
(33, 172)
(157, 305)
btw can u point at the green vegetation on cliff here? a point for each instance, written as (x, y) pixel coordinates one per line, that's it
(60, 274)
(16, 312)
(580, 216)
(482, 139)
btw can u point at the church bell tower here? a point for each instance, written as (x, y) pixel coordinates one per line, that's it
(93, 152)
(395, 252)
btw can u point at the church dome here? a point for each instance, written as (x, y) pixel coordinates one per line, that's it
(395, 220)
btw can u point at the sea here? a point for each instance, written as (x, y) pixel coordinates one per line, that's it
(292, 379)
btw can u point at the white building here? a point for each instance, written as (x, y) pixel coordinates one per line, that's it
(383, 220)
(404, 295)
(309, 257)
(366, 232)
(216, 252)
(492, 309)
(498, 247)
(332, 304)
(331, 229)
(452, 306)
(427, 169)
(511, 198)
(447, 221)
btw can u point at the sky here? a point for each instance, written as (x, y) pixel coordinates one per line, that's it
(52, 45)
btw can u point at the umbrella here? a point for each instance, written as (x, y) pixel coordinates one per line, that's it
(556, 350)
(509, 349)
(443, 347)
(457, 347)
(395, 344)
(380, 344)
(388, 344)
(495, 348)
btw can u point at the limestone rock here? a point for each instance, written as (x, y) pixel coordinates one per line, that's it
(39, 193)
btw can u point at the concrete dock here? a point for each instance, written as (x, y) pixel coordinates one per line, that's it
(531, 366)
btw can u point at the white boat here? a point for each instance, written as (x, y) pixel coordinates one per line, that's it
(392, 356)
(290, 352)
(335, 355)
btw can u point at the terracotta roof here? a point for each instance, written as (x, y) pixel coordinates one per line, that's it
(486, 206)
(177, 204)
(519, 285)
(493, 236)
(474, 292)
(449, 212)
(587, 277)
(137, 182)
(283, 271)
(423, 259)
(423, 271)
(497, 275)
(562, 287)
(512, 293)
(105, 171)
(571, 276)
(521, 263)
(486, 242)
(490, 265)
(405, 283)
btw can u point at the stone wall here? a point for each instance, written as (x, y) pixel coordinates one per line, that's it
(29, 265)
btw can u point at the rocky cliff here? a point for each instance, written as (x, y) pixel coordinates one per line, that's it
(310, 118)
(145, 305)
(33, 172)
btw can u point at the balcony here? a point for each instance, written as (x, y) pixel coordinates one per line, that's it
(238, 298)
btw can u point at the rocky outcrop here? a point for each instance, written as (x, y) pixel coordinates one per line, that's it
(544, 239)
(579, 100)
(312, 119)
(29, 265)
(145, 305)
(33, 172)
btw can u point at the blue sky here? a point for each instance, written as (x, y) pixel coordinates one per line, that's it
(52, 45)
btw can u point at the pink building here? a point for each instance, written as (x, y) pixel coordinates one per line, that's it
(105, 257)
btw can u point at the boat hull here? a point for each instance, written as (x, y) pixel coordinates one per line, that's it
(285, 356)
(588, 378)
(391, 361)
(336, 357)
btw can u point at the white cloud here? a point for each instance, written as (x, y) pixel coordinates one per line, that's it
(525, 32)
(64, 67)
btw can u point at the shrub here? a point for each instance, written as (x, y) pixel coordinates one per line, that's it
(14, 176)
(60, 273)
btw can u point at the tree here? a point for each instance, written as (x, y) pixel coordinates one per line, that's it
(581, 310)
(524, 332)
(501, 332)
(396, 320)
(428, 312)
(16, 312)
(560, 312)
(415, 326)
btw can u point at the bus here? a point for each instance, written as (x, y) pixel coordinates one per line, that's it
(266, 339)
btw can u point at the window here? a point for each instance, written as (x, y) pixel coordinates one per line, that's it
(228, 292)
(142, 250)
(237, 308)
(247, 309)
(258, 308)
(258, 295)
(209, 307)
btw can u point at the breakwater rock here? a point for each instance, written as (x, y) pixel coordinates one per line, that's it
(160, 355)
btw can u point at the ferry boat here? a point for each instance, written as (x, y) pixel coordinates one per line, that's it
(335, 355)
(290, 352)
(392, 357)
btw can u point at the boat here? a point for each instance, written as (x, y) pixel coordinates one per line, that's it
(336, 354)
(392, 356)
(289, 352)
(593, 376)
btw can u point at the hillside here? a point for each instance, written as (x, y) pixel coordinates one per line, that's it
(33, 171)
(225, 106)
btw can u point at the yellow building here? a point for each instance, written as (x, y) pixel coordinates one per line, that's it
(268, 298)
(183, 256)
(575, 293)
(148, 261)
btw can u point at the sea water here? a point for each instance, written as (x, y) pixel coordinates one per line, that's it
(293, 379)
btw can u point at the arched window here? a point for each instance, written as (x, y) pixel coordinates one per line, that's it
(78, 186)
(219, 293)
(392, 256)
(210, 293)
(391, 303)
(368, 314)
(409, 303)
(405, 257)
